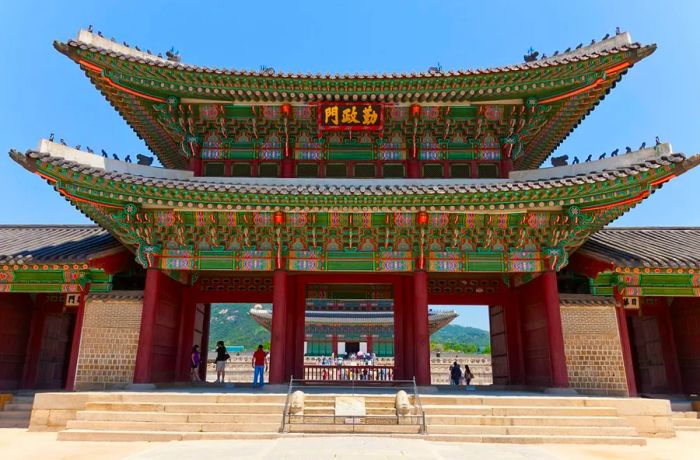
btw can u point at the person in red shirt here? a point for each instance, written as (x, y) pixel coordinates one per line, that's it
(259, 366)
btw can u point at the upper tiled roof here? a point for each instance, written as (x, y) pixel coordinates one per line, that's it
(25, 244)
(654, 247)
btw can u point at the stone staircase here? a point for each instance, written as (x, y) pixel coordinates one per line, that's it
(16, 410)
(320, 417)
(175, 417)
(687, 420)
(526, 420)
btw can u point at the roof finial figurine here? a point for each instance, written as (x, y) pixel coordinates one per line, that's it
(592, 41)
(588, 158)
(579, 46)
(435, 69)
(628, 149)
(602, 156)
(51, 137)
(99, 33)
(90, 28)
(144, 160)
(657, 140)
(531, 55)
(643, 146)
(127, 159)
(62, 141)
(555, 53)
(567, 50)
(614, 152)
(137, 48)
(576, 161)
(617, 31)
(560, 160)
(125, 44)
(606, 36)
(104, 153)
(89, 149)
(77, 147)
(114, 155)
(172, 54)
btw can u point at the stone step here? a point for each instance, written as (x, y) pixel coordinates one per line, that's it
(326, 410)
(176, 417)
(543, 411)
(540, 439)
(225, 408)
(198, 398)
(380, 411)
(15, 415)
(527, 401)
(14, 423)
(23, 399)
(328, 428)
(14, 405)
(532, 430)
(155, 436)
(685, 415)
(686, 422)
(173, 427)
(488, 420)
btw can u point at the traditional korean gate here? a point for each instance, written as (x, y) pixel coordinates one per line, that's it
(55, 347)
(649, 358)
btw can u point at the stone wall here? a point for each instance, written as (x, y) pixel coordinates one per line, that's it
(109, 340)
(592, 345)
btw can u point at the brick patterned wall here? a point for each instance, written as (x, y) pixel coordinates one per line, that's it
(109, 340)
(593, 350)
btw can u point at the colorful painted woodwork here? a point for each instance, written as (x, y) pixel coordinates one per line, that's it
(519, 112)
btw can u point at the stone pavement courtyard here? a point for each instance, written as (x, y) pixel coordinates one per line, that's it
(20, 444)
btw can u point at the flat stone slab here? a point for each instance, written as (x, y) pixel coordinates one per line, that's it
(350, 406)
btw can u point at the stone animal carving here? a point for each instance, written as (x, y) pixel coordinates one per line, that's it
(296, 405)
(403, 404)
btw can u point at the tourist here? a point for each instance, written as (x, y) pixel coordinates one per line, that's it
(468, 376)
(195, 359)
(259, 366)
(455, 373)
(221, 357)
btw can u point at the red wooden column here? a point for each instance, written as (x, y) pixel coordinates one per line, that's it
(188, 314)
(626, 350)
(399, 343)
(420, 328)
(204, 346)
(370, 342)
(555, 333)
(278, 328)
(516, 364)
(151, 297)
(75, 344)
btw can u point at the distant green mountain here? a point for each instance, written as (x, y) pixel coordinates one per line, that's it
(461, 334)
(232, 324)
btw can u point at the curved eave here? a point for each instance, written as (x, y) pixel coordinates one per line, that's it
(133, 81)
(436, 320)
(83, 180)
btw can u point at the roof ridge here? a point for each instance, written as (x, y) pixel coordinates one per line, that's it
(85, 38)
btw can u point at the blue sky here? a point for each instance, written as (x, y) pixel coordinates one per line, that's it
(43, 92)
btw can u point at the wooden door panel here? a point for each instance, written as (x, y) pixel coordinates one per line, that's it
(649, 356)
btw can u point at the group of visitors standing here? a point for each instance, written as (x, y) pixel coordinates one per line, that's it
(457, 377)
(259, 363)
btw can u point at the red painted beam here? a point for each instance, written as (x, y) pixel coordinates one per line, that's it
(589, 266)
(114, 263)
(204, 345)
(200, 296)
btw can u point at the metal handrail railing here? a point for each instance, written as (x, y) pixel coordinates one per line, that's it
(285, 414)
(419, 407)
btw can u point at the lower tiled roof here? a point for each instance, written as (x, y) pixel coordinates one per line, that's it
(654, 247)
(24, 244)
